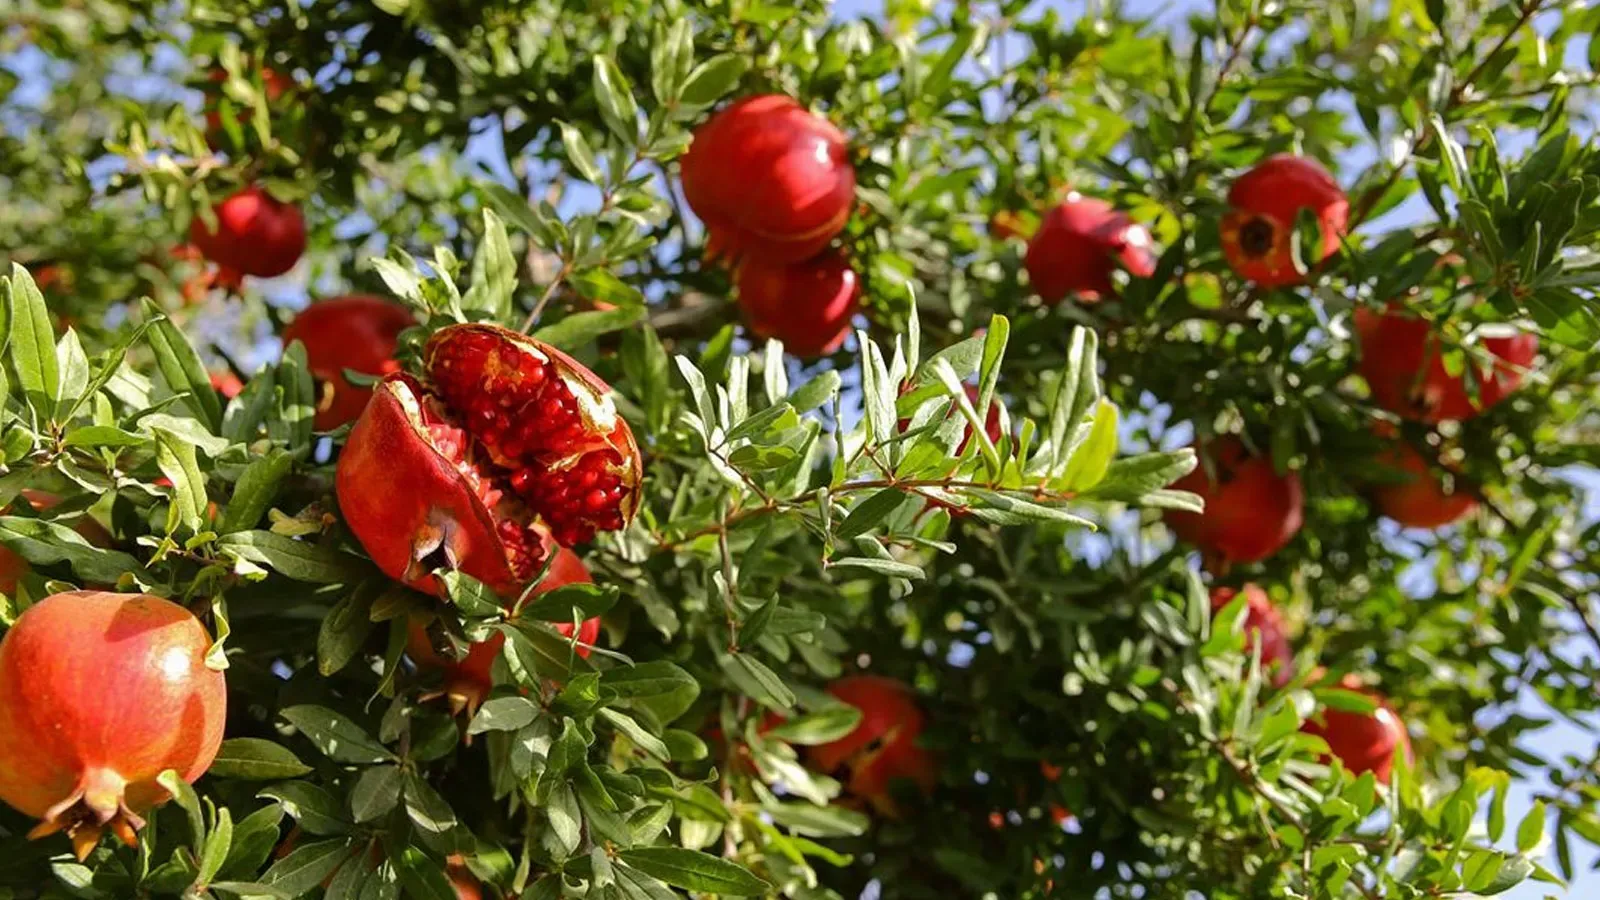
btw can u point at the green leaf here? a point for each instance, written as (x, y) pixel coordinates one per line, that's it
(579, 154)
(617, 106)
(335, 736)
(648, 679)
(375, 793)
(426, 808)
(504, 714)
(641, 738)
(344, 630)
(818, 821)
(756, 681)
(566, 821)
(256, 489)
(181, 368)
(1531, 831)
(712, 79)
(299, 560)
(311, 806)
(175, 457)
(494, 271)
(183, 794)
(47, 543)
(887, 567)
(421, 877)
(1091, 461)
(695, 871)
(307, 866)
(570, 602)
(868, 513)
(255, 759)
(820, 727)
(254, 839)
(603, 285)
(32, 343)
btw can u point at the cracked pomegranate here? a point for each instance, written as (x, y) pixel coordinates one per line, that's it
(467, 681)
(99, 694)
(769, 179)
(1079, 244)
(1263, 624)
(356, 332)
(1403, 363)
(1422, 499)
(807, 305)
(502, 438)
(883, 747)
(256, 234)
(1251, 511)
(1364, 742)
(1257, 231)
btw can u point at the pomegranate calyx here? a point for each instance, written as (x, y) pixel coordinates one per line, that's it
(97, 806)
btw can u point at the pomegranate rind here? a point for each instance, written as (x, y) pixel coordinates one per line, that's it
(1251, 512)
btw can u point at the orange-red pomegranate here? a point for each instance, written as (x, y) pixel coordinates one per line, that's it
(459, 469)
(256, 234)
(1257, 231)
(99, 694)
(1251, 511)
(461, 878)
(1401, 359)
(883, 747)
(1079, 244)
(1261, 623)
(467, 681)
(226, 383)
(193, 277)
(769, 179)
(1364, 742)
(1421, 500)
(806, 305)
(274, 84)
(357, 332)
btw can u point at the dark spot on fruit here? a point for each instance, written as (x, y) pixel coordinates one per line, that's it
(1256, 236)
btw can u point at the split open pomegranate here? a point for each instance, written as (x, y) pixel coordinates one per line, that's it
(502, 438)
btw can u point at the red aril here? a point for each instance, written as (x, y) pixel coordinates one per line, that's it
(1403, 363)
(1079, 244)
(460, 468)
(1421, 498)
(1263, 624)
(806, 305)
(883, 747)
(99, 694)
(1364, 742)
(256, 234)
(1264, 203)
(769, 179)
(1251, 511)
(357, 332)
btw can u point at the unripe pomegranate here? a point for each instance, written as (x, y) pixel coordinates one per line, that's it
(883, 747)
(1364, 742)
(467, 681)
(99, 694)
(1257, 231)
(460, 469)
(770, 179)
(1261, 623)
(1421, 501)
(273, 83)
(806, 305)
(1402, 361)
(256, 234)
(357, 332)
(1079, 244)
(1251, 511)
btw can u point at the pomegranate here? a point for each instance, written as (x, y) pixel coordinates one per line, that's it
(193, 278)
(50, 278)
(467, 681)
(883, 747)
(1402, 363)
(505, 434)
(1079, 244)
(226, 383)
(274, 84)
(99, 694)
(1264, 204)
(256, 235)
(356, 332)
(807, 305)
(991, 422)
(461, 878)
(1261, 623)
(1364, 742)
(1251, 510)
(770, 179)
(1422, 501)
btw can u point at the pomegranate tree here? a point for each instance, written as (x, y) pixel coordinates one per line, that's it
(256, 234)
(883, 747)
(806, 305)
(1263, 205)
(770, 179)
(99, 694)
(1079, 244)
(1363, 742)
(1264, 625)
(502, 436)
(356, 332)
(1251, 511)
(1403, 363)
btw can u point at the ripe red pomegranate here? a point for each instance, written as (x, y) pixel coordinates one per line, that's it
(991, 422)
(1251, 510)
(883, 747)
(1261, 623)
(1364, 742)
(1079, 244)
(356, 332)
(1402, 363)
(227, 384)
(256, 234)
(274, 84)
(770, 180)
(1265, 201)
(1422, 501)
(468, 681)
(459, 468)
(461, 878)
(807, 305)
(99, 694)
(50, 278)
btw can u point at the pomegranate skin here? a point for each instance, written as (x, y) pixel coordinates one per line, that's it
(256, 235)
(1261, 623)
(1401, 362)
(99, 694)
(1363, 742)
(357, 332)
(1079, 244)
(807, 306)
(1264, 203)
(769, 179)
(883, 747)
(1251, 512)
(1421, 501)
